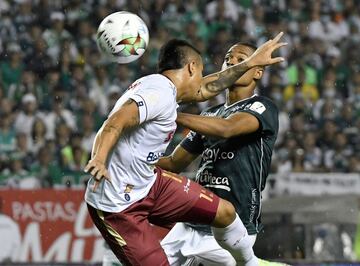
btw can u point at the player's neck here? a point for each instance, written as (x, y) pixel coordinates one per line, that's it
(176, 78)
(236, 94)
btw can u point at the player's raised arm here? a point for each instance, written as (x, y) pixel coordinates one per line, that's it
(236, 124)
(107, 136)
(213, 84)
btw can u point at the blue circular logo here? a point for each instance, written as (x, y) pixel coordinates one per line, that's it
(127, 196)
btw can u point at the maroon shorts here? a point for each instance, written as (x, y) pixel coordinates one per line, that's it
(172, 199)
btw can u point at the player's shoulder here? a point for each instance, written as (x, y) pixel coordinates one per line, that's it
(155, 82)
(266, 101)
(210, 111)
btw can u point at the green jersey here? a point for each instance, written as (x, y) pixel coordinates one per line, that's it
(236, 168)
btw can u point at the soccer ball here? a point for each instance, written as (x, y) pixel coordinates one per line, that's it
(122, 37)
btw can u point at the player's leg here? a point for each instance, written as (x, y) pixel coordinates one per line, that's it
(109, 258)
(130, 236)
(174, 243)
(231, 234)
(185, 246)
(209, 253)
(180, 199)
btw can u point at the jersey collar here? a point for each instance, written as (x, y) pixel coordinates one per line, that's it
(172, 85)
(226, 106)
(169, 80)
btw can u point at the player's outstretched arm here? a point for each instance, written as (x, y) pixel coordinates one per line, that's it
(213, 84)
(106, 138)
(177, 161)
(234, 125)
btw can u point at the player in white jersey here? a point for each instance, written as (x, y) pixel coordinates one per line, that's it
(136, 152)
(127, 192)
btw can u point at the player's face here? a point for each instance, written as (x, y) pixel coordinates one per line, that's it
(198, 74)
(195, 78)
(236, 55)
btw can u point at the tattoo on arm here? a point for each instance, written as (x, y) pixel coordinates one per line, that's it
(226, 78)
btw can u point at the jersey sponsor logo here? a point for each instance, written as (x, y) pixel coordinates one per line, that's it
(216, 154)
(152, 156)
(257, 107)
(208, 180)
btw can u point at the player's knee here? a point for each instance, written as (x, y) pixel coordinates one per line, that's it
(225, 214)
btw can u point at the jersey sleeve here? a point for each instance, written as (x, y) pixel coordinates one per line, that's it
(267, 115)
(152, 102)
(193, 143)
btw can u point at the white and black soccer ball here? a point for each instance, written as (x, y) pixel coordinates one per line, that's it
(122, 37)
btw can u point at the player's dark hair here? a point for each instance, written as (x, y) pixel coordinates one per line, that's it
(175, 54)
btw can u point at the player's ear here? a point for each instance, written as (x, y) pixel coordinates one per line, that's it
(258, 73)
(191, 68)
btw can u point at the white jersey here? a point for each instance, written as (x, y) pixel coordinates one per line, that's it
(131, 165)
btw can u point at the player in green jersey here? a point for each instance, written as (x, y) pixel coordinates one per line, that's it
(235, 141)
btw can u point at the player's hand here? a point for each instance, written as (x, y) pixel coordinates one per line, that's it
(262, 55)
(98, 170)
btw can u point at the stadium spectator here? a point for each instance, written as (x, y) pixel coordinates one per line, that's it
(228, 9)
(7, 137)
(99, 87)
(22, 150)
(24, 120)
(58, 114)
(62, 137)
(27, 85)
(73, 156)
(88, 132)
(38, 60)
(46, 169)
(6, 108)
(55, 35)
(312, 154)
(123, 78)
(38, 136)
(337, 159)
(15, 174)
(12, 68)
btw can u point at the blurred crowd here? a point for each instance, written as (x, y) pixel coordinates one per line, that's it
(56, 89)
